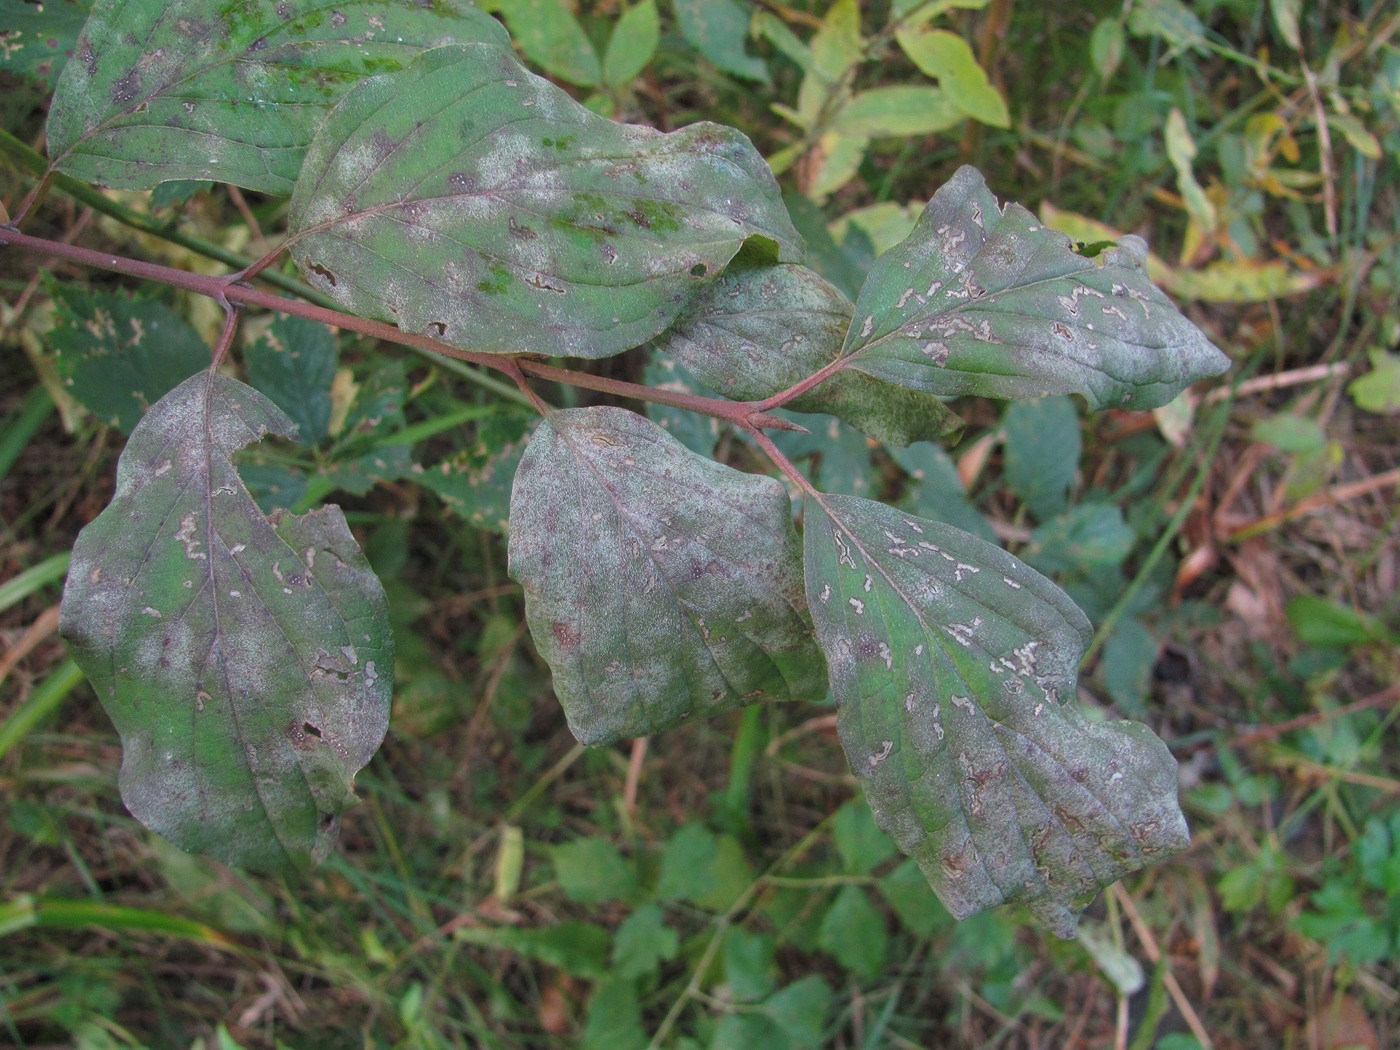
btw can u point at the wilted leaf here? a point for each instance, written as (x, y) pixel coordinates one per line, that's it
(659, 584)
(119, 356)
(984, 300)
(244, 660)
(509, 218)
(726, 339)
(180, 89)
(953, 666)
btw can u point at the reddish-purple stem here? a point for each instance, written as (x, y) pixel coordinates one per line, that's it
(229, 290)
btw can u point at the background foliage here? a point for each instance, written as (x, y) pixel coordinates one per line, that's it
(717, 886)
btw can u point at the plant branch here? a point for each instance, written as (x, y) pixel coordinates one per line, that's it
(229, 289)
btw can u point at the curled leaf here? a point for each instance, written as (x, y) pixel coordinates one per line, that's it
(983, 299)
(245, 660)
(953, 666)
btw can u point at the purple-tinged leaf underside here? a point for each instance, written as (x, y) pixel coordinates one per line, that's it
(759, 330)
(659, 585)
(953, 665)
(183, 89)
(245, 660)
(467, 199)
(983, 300)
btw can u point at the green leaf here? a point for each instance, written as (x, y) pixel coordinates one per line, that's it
(119, 356)
(985, 300)
(937, 489)
(659, 585)
(1169, 20)
(293, 362)
(509, 218)
(1320, 621)
(632, 44)
(643, 943)
(592, 870)
(1379, 389)
(1043, 444)
(1129, 656)
(853, 933)
(1106, 46)
(906, 891)
(1090, 541)
(476, 483)
(800, 1010)
(706, 869)
(749, 968)
(726, 339)
(245, 661)
(899, 110)
(954, 666)
(719, 29)
(947, 58)
(863, 847)
(38, 38)
(234, 93)
(551, 37)
(578, 948)
(614, 1017)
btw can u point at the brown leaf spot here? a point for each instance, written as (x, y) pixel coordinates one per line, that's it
(566, 635)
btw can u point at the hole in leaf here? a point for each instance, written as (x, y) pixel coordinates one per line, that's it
(699, 270)
(326, 823)
(321, 271)
(313, 730)
(438, 328)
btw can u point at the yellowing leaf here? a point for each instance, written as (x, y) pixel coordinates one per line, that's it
(946, 57)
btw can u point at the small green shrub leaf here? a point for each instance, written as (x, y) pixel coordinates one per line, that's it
(578, 948)
(119, 356)
(245, 660)
(632, 44)
(659, 585)
(293, 362)
(509, 218)
(476, 483)
(984, 300)
(643, 943)
(719, 29)
(180, 89)
(947, 57)
(550, 36)
(899, 110)
(954, 666)
(591, 870)
(726, 339)
(1043, 445)
(853, 932)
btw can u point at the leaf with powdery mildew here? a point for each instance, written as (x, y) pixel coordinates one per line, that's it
(953, 666)
(984, 300)
(245, 660)
(727, 339)
(506, 217)
(184, 89)
(659, 585)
